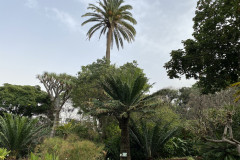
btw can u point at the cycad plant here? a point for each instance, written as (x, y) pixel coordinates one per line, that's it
(113, 17)
(127, 90)
(19, 134)
(151, 136)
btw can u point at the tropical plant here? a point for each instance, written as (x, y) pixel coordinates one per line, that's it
(151, 136)
(179, 147)
(126, 88)
(19, 134)
(114, 17)
(3, 153)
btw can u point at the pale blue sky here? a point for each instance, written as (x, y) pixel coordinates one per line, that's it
(46, 35)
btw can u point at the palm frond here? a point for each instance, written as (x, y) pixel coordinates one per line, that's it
(19, 133)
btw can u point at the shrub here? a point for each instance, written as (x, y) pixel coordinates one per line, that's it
(179, 147)
(45, 157)
(19, 134)
(71, 148)
(83, 131)
(3, 153)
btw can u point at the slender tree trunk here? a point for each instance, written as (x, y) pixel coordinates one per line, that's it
(125, 142)
(109, 41)
(55, 123)
(56, 114)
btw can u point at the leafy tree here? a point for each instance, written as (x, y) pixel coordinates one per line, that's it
(19, 134)
(213, 55)
(59, 87)
(114, 17)
(212, 117)
(24, 100)
(87, 84)
(88, 87)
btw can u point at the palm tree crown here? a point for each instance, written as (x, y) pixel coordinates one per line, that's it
(113, 17)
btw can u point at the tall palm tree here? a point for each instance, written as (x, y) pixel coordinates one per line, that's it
(113, 17)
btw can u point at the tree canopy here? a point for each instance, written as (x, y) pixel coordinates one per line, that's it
(213, 55)
(24, 100)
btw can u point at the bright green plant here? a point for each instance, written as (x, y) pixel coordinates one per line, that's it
(45, 157)
(3, 153)
(19, 134)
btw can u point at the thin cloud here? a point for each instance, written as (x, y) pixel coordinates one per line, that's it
(65, 18)
(31, 3)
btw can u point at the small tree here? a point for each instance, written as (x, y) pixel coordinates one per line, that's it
(59, 87)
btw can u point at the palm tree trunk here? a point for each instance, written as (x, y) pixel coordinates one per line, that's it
(109, 41)
(125, 142)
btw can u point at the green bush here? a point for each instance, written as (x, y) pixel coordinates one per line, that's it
(45, 157)
(179, 147)
(112, 146)
(71, 148)
(3, 153)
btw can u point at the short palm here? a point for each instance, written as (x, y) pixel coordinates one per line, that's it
(17, 134)
(115, 19)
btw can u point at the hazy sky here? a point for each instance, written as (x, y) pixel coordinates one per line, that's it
(46, 35)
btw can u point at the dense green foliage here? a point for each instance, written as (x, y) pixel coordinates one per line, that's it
(71, 148)
(24, 100)
(84, 130)
(151, 137)
(219, 151)
(88, 83)
(212, 57)
(19, 134)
